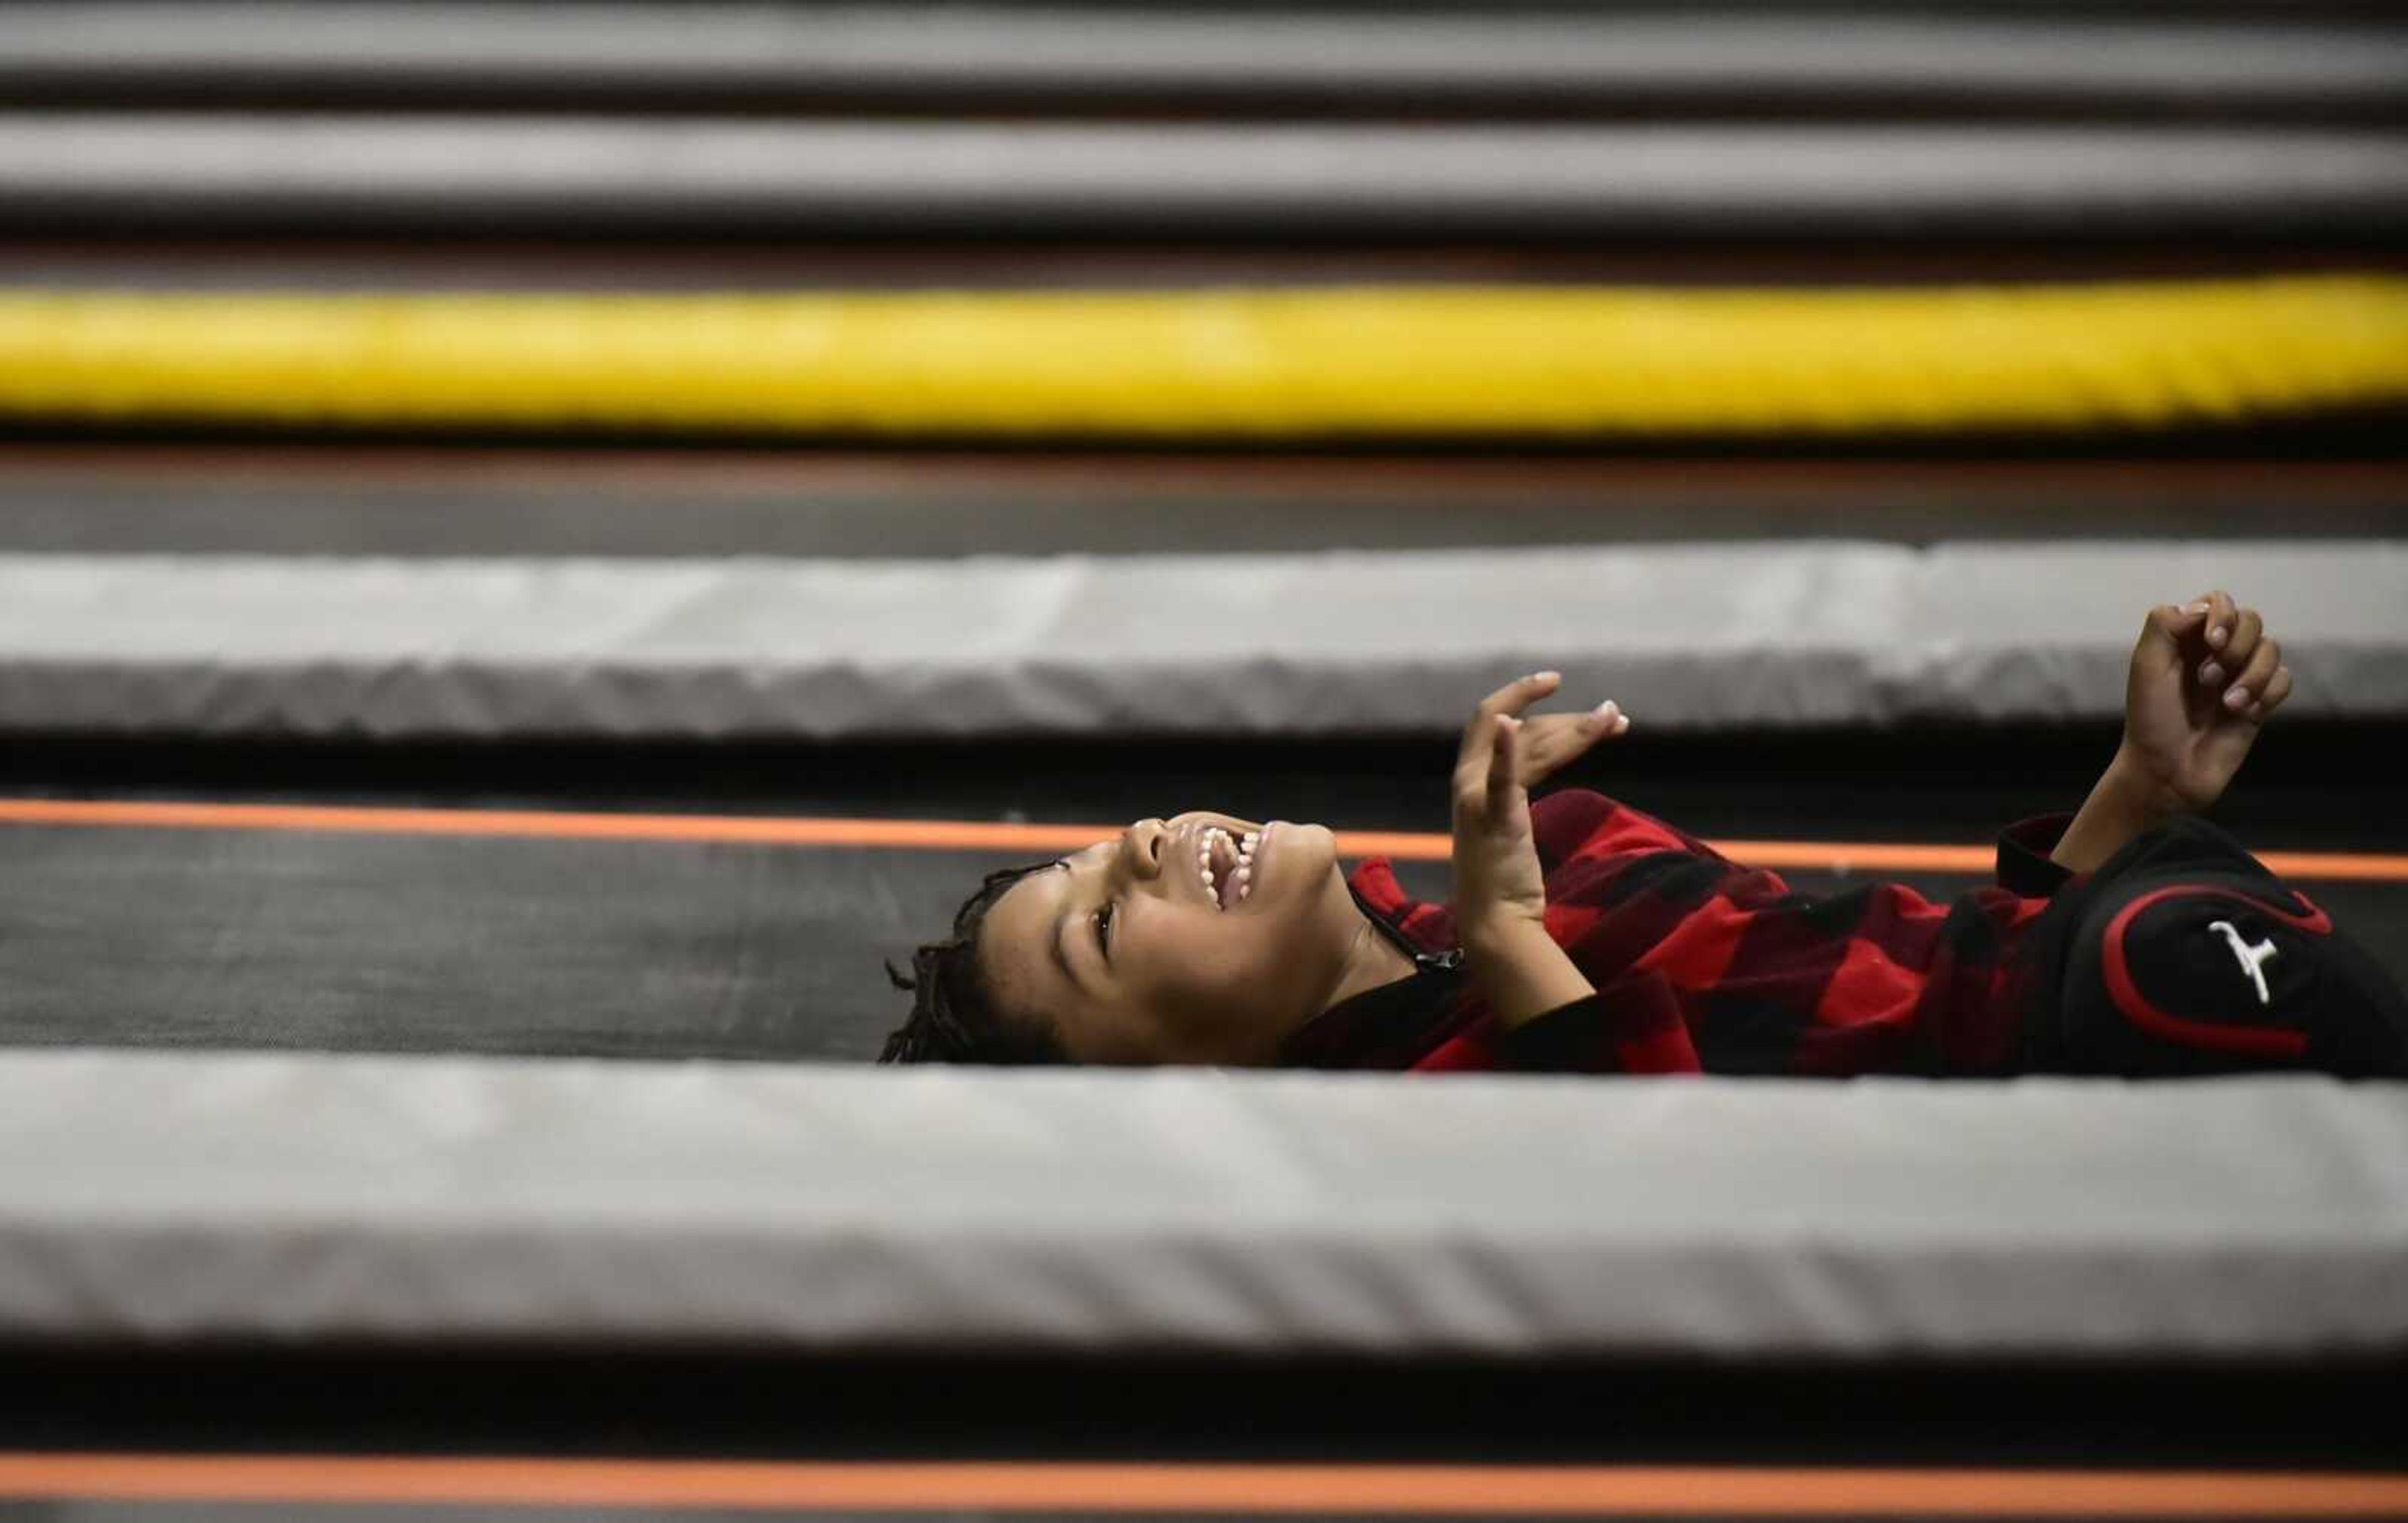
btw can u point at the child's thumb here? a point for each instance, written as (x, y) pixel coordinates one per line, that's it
(2168, 623)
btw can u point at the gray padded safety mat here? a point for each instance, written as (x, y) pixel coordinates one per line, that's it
(1506, 58)
(1683, 636)
(310, 1198)
(167, 170)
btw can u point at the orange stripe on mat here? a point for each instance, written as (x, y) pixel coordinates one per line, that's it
(973, 835)
(1427, 1490)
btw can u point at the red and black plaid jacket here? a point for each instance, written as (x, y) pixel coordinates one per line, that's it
(1703, 965)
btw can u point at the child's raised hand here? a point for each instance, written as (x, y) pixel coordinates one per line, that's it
(2204, 678)
(1497, 874)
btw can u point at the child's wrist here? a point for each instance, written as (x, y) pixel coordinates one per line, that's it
(1497, 932)
(1520, 971)
(2146, 797)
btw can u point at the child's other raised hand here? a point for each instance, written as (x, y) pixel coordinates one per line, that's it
(2204, 678)
(1497, 874)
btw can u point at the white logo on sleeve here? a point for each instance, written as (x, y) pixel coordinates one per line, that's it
(2253, 958)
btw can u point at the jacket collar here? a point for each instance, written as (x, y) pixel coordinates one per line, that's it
(1422, 932)
(1396, 1025)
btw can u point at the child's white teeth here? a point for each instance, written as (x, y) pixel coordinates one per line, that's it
(1213, 834)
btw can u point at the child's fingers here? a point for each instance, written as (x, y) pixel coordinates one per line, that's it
(2169, 625)
(2221, 612)
(2239, 646)
(1479, 735)
(2278, 687)
(1602, 722)
(1550, 742)
(2177, 619)
(1520, 693)
(1505, 768)
(2254, 678)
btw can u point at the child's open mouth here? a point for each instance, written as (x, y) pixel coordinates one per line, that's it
(1225, 863)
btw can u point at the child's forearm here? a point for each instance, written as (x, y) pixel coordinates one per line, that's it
(2124, 803)
(1520, 971)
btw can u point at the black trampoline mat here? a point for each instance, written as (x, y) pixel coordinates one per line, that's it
(394, 500)
(339, 942)
(381, 943)
(477, 943)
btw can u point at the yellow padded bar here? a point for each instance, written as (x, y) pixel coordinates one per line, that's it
(1261, 363)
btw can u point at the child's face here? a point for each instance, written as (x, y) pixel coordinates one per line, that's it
(1184, 980)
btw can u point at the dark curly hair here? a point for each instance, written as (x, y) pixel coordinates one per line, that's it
(955, 1016)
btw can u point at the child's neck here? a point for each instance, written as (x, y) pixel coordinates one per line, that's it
(1371, 961)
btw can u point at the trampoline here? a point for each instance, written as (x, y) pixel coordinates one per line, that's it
(580, 1210)
(534, 557)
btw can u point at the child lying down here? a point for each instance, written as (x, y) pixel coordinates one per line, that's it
(2130, 939)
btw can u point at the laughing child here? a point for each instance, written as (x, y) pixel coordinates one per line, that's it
(2132, 938)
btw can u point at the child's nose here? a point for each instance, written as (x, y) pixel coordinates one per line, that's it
(1142, 847)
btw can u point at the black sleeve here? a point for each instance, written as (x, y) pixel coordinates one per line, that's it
(2024, 867)
(1631, 1026)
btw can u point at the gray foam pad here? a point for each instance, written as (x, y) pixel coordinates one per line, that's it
(200, 171)
(1503, 57)
(1746, 634)
(302, 1198)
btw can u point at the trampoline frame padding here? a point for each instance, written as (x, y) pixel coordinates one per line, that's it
(157, 172)
(1504, 57)
(1365, 361)
(1725, 635)
(158, 1197)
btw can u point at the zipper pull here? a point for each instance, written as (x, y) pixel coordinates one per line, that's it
(1444, 962)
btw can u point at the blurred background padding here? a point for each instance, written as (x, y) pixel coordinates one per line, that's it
(490, 286)
(1432, 363)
